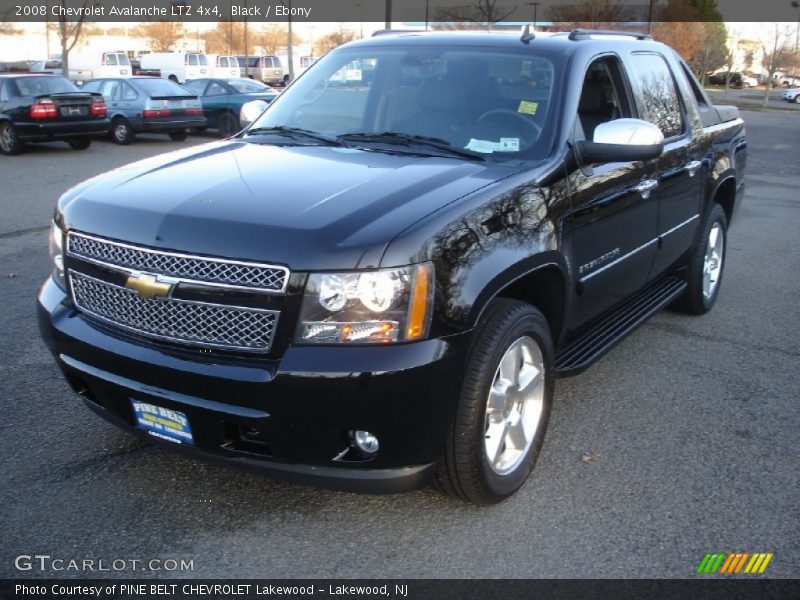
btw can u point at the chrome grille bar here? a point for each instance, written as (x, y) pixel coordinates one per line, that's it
(189, 268)
(182, 321)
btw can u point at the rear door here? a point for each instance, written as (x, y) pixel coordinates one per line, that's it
(680, 171)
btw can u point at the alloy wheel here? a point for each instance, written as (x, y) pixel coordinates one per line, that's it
(712, 266)
(514, 406)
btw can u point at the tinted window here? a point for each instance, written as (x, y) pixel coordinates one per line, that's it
(109, 88)
(128, 93)
(196, 86)
(92, 86)
(249, 86)
(191, 59)
(657, 87)
(215, 89)
(34, 86)
(160, 87)
(222, 61)
(4, 94)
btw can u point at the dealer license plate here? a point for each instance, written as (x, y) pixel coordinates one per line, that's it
(164, 423)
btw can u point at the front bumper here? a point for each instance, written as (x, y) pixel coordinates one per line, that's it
(61, 130)
(285, 417)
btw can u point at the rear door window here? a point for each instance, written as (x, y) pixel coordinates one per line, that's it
(109, 89)
(127, 91)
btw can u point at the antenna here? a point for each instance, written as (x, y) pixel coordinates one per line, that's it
(527, 36)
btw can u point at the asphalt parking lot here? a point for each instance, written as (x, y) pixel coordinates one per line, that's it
(692, 425)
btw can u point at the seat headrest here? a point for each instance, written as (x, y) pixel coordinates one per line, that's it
(593, 97)
(437, 94)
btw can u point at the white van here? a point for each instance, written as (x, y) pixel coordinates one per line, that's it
(101, 64)
(223, 66)
(178, 66)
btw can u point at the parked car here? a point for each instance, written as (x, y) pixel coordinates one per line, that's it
(267, 69)
(53, 67)
(136, 69)
(737, 79)
(94, 64)
(222, 100)
(177, 66)
(223, 66)
(374, 288)
(46, 108)
(785, 79)
(792, 95)
(147, 105)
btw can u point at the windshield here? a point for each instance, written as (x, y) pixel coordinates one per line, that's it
(36, 86)
(250, 86)
(488, 101)
(154, 87)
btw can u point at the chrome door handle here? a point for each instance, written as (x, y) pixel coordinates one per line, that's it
(645, 187)
(692, 167)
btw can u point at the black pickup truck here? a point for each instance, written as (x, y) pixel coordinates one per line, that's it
(375, 286)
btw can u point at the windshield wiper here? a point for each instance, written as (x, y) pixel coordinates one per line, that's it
(396, 137)
(294, 132)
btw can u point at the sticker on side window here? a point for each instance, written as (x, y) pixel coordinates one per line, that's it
(527, 107)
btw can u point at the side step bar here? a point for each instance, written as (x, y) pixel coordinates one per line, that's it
(593, 343)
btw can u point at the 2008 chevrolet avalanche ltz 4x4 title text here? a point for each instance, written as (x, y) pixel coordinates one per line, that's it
(376, 284)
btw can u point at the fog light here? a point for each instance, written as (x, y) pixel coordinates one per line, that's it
(365, 442)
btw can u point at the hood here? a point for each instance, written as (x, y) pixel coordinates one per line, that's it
(306, 207)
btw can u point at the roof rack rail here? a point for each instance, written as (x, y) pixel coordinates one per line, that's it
(585, 34)
(391, 31)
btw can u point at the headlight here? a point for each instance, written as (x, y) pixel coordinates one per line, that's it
(56, 244)
(367, 307)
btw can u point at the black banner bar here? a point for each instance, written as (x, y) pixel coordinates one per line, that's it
(517, 589)
(401, 11)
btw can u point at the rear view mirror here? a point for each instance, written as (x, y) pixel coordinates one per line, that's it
(622, 140)
(250, 111)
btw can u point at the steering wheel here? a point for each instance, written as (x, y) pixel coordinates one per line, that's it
(507, 111)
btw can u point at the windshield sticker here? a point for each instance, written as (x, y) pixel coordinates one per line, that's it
(488, 147)
(509, 144)
(527, 107)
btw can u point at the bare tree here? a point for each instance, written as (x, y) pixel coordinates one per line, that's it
(333, 39)
(777, 51)
(481, 12)
(591, 14)
(161, 35)
(70, 32)
(272, 38)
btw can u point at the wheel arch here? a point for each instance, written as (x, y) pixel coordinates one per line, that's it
(540, 281)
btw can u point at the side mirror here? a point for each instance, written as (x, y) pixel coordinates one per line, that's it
(250, 111)
(622, 140)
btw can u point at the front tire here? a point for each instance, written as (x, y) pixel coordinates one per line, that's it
(80, 143)
(704, 272)
(503, 406)
(797, 99)
(10, 143)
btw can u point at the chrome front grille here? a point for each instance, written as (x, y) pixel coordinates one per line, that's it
(187, 322)
(184, 267)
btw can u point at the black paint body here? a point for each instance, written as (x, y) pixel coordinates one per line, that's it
(490, 228)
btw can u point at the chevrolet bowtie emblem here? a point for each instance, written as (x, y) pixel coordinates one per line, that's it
(149, 286)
